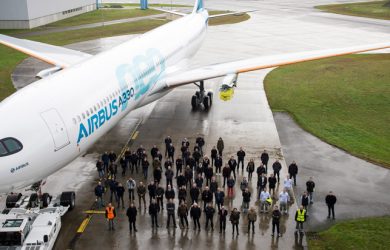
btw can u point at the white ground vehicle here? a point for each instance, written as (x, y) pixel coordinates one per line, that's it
(29, 223)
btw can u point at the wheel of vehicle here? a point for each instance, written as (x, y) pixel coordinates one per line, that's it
(194, 102)
(33, 201)
(68, 199)
(46, 199)
(206, 102)
(12, 199)
(210, 95)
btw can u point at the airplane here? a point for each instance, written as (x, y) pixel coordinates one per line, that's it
(51, 122)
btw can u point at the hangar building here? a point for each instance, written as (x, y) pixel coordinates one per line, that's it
(28, 14)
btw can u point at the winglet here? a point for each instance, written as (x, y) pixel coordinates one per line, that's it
(198, 6)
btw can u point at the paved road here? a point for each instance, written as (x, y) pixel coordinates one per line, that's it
(361, 187)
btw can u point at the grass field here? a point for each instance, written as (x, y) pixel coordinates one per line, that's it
(345, 101)
(230, 19)
(158, 5)
(359, 234)
(376, 9)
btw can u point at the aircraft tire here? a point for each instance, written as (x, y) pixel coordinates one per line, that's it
(194, 102)
(68, 199)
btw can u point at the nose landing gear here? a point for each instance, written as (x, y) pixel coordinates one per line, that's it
(201, 100)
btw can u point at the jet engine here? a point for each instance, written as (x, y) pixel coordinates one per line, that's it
(226, 91)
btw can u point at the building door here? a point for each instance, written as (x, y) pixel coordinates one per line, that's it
(57, 128)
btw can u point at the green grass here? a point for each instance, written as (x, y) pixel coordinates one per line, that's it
(230, 19)
(359, 234)
(345, 101)
(116, 5)
(376, 9)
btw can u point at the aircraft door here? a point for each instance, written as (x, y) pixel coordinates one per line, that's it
(57, 128)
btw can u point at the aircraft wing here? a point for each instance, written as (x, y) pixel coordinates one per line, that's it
(55, 55)
(258, 63)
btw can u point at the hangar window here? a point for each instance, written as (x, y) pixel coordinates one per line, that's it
(9, 146)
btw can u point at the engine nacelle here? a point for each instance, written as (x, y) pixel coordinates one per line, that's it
(47, 72)
(226, 91)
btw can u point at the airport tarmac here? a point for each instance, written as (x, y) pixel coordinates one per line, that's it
(276, 27)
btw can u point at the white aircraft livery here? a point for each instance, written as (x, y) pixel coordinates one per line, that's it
(49, 123)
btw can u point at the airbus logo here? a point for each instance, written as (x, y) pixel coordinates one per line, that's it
(13, 170)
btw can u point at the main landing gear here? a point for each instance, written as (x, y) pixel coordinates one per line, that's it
(201, 99)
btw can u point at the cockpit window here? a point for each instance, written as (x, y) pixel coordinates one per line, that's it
(9, 146)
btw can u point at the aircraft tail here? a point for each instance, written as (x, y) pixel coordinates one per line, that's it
(198, 6)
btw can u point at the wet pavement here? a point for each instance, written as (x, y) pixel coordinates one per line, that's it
(360, 187)
(246, 121)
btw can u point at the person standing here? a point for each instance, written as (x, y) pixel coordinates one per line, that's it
(222, 219)
(305, 202)
(272, 184)
(244, 184)
(330, 200)
(230, 183)
(106, 161)
(182, 212)
(276, 214)
(141, 191)
(200, 141)
(181, 180)
(264, 159)
(293, 171)
(182, 194)
(250, 168)
(209, 211)
(213, 185)
(179, 166)
(235, 219)
(310, 188)
(100, 169)
(171, 152)
(132, 215)
(233, 164)
(145, 167)
(214, 153)
(246, 199)
(283, 200)
(207, 197)
(159, 196)
(99, 191)
(208, 172)
(169, 176)
(218, 165)
(153, 151)
(287, 184)
(220, 146)
(168, 142)
(240, 159)
(112, 156)
(226, 172)
(153, 210)
(277, 167)
(260, 171)
(113, 185)
(219, 198)
(169, 193)
(130, 187)
(157, 172)
(110, 216)
(262, 183)
(252, 217)
(152, 191)
(264, 201)
(300, 218)
(171, 213)
(199, 181)
(195, 213)
(194, 193)
(134, 162)
(120, 191)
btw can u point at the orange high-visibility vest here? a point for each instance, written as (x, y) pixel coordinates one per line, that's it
(110, 213)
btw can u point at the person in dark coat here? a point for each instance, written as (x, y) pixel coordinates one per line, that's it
(233, 164)
(99, 192)
(112, 156)
(140, 155)
(113, 185)
(264, 159)
(262, 183)
(145, 167)
(168, 142)
(222, 219)
(159, 196)
(240, 159)
(310, 187)
(141, 191)
(194, 193)
(153, 151)
(293, 171)
(106, 161)
(196, 155)
(120, 190)
(181, 180)
(195, 213)
(169, 193)
(219, 198)
(171, 152)
(305, 202)
(152, 191)
(213, 185)
(182, 212)
(188, 174)
(153, 211)
(218, 164)
(134, 162)
(200, 141)
(182, 194)
(220, 146)
(169, 176)
(277, 167)
(207, 197)
(276, 214)
(199, 181)
(100, 168)
(123, 163)
(260, 171)
(171, 213)
(250, 168)
(179, 166)
(157, 172)
(132, 215)
(235, 219)
(330, 200)
(214, 153)
(226, 172)
(210, 211)
(246, 199)
(272, 184)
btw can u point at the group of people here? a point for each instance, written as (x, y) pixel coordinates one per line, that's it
(196, 181)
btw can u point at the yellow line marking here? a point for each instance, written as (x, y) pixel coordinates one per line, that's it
(135, 135)
(94, 212)
(84, 225)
